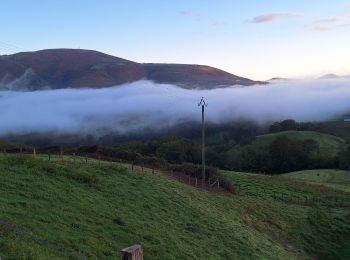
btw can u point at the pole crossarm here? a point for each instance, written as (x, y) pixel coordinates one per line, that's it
(202, 102)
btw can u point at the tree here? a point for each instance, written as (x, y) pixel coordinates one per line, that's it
(344, 159)
(288, 155)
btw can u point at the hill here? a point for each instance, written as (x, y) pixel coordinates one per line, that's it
(329, 145)
(333, 178)
(50, 210)
(76, 68)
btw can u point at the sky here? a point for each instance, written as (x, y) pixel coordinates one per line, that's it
(258, 39)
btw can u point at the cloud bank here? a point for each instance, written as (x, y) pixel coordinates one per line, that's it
(144, 104)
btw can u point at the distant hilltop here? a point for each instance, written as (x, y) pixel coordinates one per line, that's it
(76, 68)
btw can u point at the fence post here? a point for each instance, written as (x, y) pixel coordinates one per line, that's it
(34, 152)
(132, 253)
(61, 153)
(49, 157)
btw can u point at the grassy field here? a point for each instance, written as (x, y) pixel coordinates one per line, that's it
(50, 210)
(332, 178)
(329, 145)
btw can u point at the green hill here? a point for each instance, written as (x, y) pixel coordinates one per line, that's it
(333, 178)
(329, 145)
(51, 210)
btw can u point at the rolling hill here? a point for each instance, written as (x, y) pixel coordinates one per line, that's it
(329, 145)
(52, 210)
(76, 68)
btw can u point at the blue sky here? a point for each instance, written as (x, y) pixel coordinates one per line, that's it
(259, 39)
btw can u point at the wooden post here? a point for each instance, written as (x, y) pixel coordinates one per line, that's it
(34, 152)
(61, 153)
(196, 181)
(49, 157)
(189, 179)
(132, 253)
(203, 104)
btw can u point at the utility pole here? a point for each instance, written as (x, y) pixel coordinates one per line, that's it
(203, 105)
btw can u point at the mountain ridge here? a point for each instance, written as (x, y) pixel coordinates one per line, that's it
(77, 68)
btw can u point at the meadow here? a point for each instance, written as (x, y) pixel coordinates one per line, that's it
(54, 210)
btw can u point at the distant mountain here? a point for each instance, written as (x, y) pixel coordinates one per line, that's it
(278, 79)
(329, 76)
(76, 68)
(334, 76)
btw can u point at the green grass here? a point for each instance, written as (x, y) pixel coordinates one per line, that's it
(329, 145)
(50, 210)
(333, 178)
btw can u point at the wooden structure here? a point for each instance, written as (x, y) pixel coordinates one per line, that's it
(132, 253)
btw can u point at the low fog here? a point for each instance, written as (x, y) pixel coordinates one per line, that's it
(144, 104)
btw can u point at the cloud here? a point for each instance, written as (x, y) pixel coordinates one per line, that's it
(218, 23)
(189, 13)
(273, 17)
(315, 22)
(331, 23)
(134, 107)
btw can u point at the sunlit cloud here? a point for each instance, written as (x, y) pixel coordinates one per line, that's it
(273, 17)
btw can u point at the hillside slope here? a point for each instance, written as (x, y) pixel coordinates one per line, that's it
(58, 211)
(76, 68)
(337, 179)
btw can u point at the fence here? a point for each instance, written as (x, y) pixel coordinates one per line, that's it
(148, 165)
